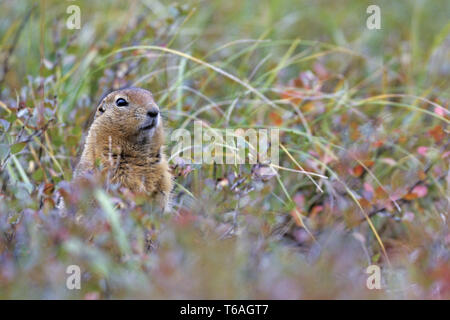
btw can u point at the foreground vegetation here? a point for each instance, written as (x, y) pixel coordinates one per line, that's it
(366, 109)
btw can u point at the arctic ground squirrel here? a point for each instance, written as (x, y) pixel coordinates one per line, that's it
(127, 139)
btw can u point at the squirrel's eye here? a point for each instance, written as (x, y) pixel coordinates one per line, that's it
(121, 102)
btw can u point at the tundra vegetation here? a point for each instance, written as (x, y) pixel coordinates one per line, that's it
(366, 110)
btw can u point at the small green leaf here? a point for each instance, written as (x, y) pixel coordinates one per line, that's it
(376, 257)
(4, 149)
(38, 175)
(11, 118)
(17, 147)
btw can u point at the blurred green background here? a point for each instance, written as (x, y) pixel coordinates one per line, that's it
(366, 108)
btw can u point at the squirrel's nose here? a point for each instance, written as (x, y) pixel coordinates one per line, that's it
(153, 113)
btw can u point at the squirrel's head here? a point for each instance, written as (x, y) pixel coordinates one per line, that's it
(130, 115)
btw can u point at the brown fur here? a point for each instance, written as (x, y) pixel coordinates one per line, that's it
(132, 155)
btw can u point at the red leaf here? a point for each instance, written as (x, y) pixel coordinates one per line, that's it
(365, 204)
(378, 143)
(439, 110)
(420, 190)
(410, 196)
(320, 70)
(275, 118)
(295, 213)
(299, 200)
(368, 191)
(48, 188)
(185, 217)
(422, 150)
(315, 210)
(437, 133)
(293, 95)
(358, 170)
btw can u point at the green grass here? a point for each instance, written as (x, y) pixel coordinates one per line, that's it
(373, 119)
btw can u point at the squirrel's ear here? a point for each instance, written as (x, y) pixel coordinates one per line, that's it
(101, 108)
